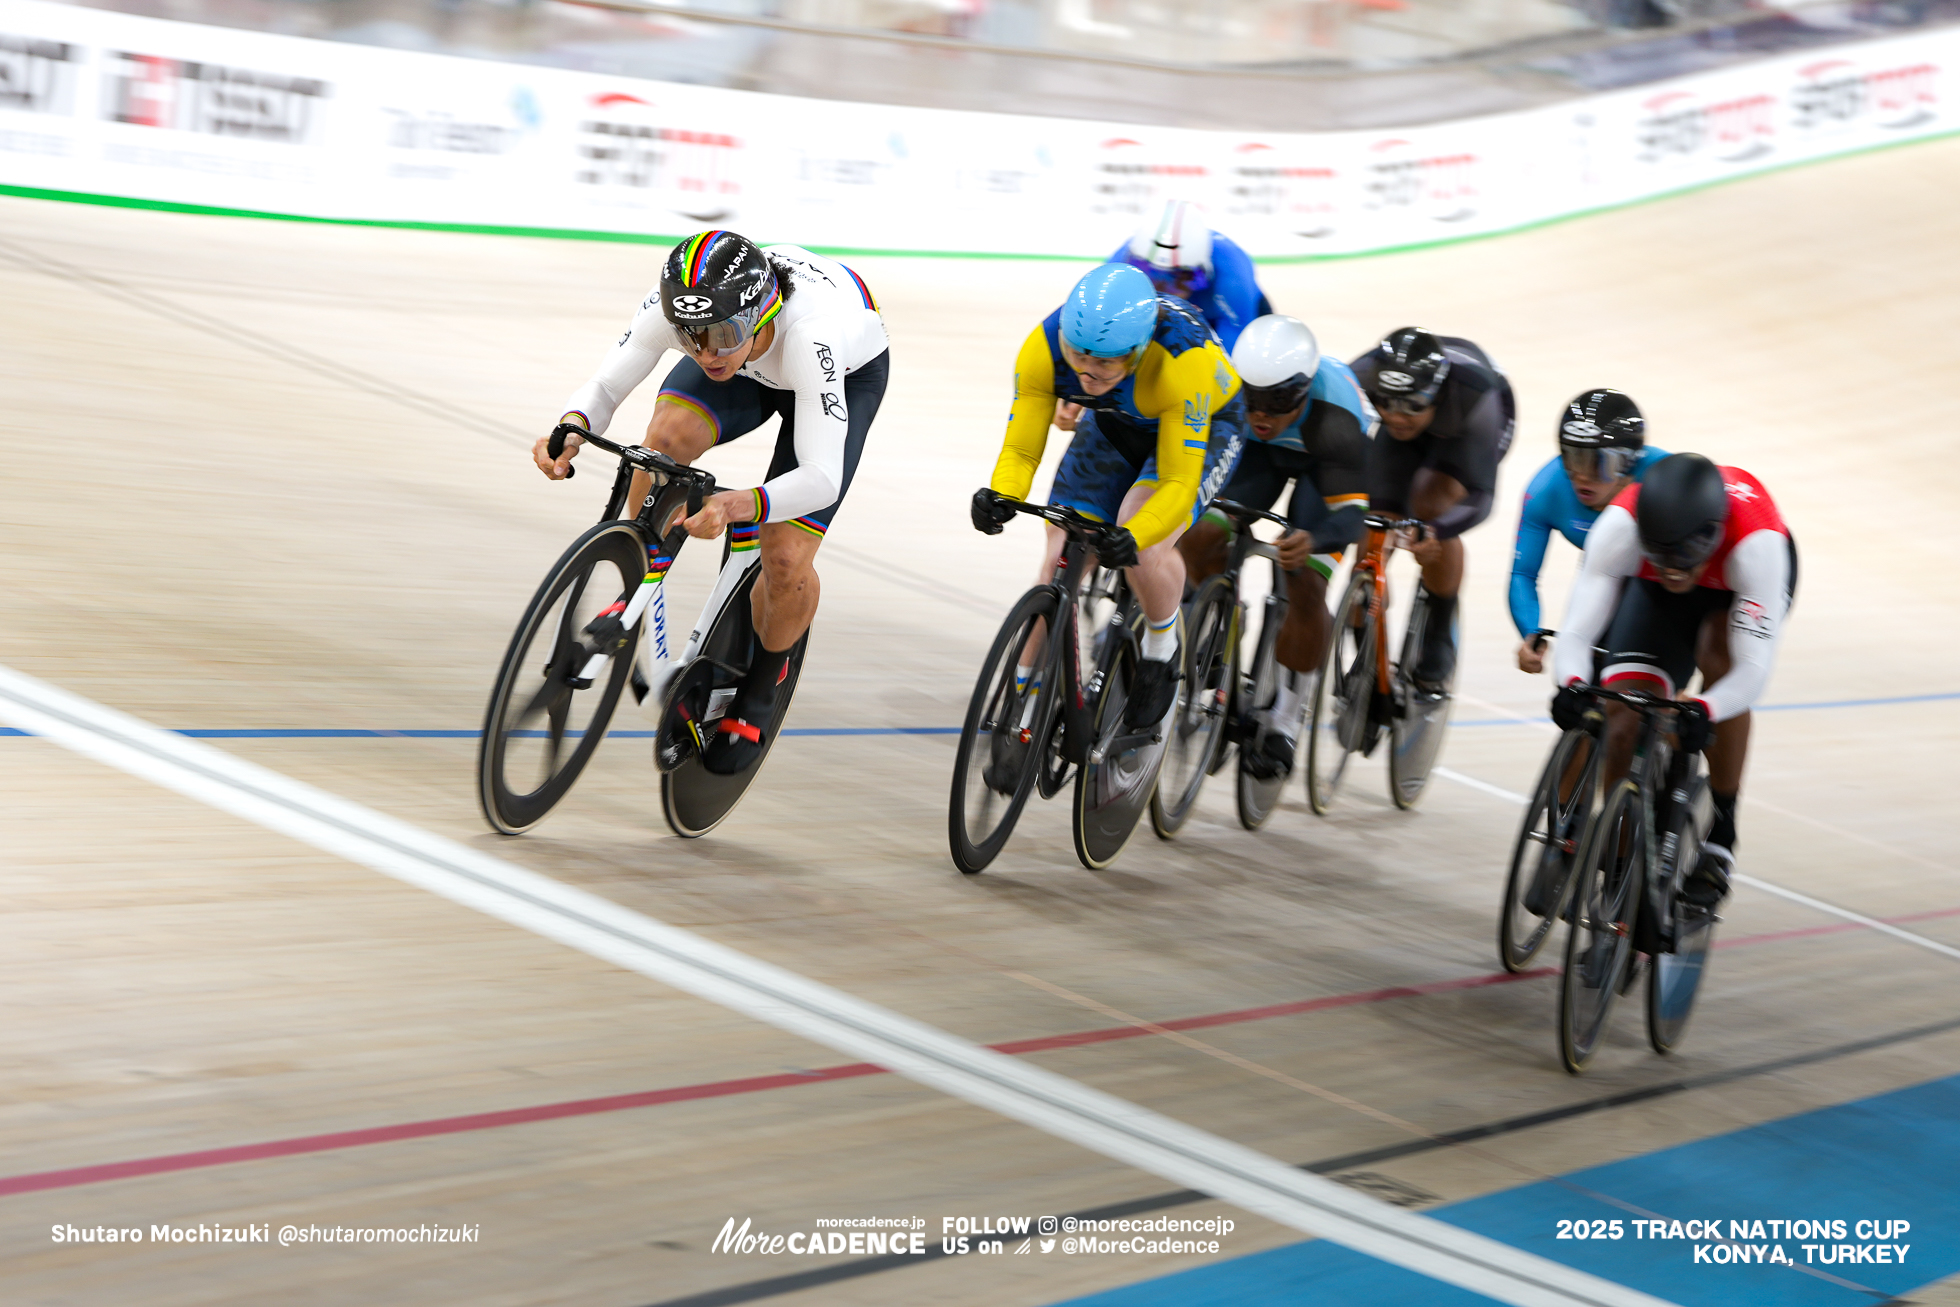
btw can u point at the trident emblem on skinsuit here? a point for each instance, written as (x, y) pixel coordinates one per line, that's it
(1197, 412)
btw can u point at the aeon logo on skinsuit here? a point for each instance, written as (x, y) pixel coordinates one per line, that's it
(1680, 124)
(1128, 177)
(1266, 184)
(1440, 185)
(622, 144)
(1839, 93)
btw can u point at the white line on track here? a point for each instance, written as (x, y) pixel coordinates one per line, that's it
(1013, 1088)
(1790, 894)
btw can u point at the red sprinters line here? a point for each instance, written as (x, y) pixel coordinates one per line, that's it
(449, 1125)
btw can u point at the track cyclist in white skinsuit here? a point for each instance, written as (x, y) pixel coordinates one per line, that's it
(766, 331)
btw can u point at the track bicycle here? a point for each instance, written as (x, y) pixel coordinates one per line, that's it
(1222, 686)
(576, 650)
(1626, 899)
(1021, 735)
(1361, 695)
(1212, 706)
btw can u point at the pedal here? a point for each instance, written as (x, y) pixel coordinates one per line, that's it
(682, 734)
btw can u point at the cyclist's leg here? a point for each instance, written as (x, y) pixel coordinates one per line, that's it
(784, 599)
(1650, 648)
(1433, 492)
(693, 414)
(1303, 638)
(1091, 479)
(1158, 577)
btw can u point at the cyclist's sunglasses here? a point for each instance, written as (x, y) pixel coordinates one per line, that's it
(1404, 403)
(1181, 282)
(1684, 555)
(724, 338)
(1609, 463)
(1277, 400)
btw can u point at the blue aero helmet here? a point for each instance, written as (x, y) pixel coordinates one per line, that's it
(1111, 313)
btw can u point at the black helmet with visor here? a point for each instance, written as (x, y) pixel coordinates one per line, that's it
(1601, 435)
(718, 290)
(1410, 372)
(1683, 509)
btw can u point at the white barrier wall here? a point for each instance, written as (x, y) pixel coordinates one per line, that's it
(107, 104)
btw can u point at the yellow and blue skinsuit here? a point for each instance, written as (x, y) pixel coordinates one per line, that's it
(1176, 422)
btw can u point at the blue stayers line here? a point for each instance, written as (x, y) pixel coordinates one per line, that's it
(335, 733)
(1892, 1157)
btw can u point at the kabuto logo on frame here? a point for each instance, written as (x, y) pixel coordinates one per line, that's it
(156, 91)
(1839, 93)
(37, 76)
(1681, 125)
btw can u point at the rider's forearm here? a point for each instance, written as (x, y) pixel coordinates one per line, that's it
(1524, 602)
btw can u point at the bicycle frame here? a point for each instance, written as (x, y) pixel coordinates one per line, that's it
(1664, 777)
(1374, 561)
(1063, 658)
(651, 592)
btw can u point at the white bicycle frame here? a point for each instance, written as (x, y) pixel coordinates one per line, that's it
(658, 668)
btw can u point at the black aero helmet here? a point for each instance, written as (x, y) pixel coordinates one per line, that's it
(1683, 507)
(1600, 435)
(1411, 368)
(718, 290)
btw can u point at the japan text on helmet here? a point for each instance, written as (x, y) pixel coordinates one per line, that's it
(1111, 313)
(1600, 435)
(1411, 370)
(1173, 247)
(718, 290)
(1683, 507)
(1276, 357)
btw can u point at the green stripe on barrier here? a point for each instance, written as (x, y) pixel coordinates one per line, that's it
(648, 238)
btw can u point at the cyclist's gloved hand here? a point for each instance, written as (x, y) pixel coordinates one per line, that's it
(991, 511)
(1117, 548)
(1692, 727)
(1569, 707)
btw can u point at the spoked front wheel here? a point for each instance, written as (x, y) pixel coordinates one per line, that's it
(1197, 729)
(1547, 847)
(545, 717)
(1339, 723)
(1008, 733)
(1599, 945)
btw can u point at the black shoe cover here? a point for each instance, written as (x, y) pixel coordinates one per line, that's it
(1152, 693)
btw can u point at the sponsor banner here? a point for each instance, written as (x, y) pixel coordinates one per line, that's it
(112, 104)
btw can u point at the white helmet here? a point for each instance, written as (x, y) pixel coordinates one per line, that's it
(1174, 248)
(1277, 358)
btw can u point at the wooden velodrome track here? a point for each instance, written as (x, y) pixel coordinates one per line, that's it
(274, 475)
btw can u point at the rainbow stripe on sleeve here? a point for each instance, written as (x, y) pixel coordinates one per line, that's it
(870, 301)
